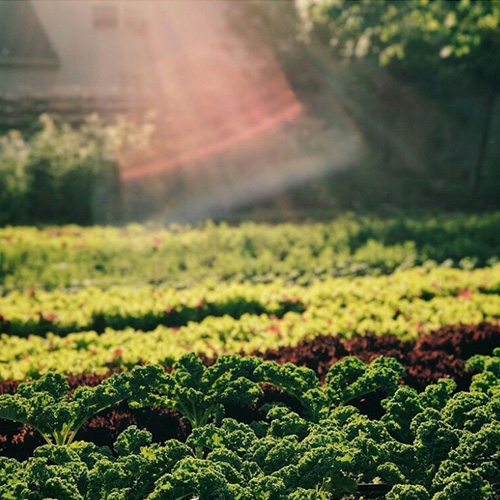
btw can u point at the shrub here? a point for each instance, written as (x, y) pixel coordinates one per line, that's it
(64, 173)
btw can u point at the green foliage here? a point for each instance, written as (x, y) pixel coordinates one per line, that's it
(200, 393)
(433, 445)
(352, 379)
(63, 174)
(457, 40)
(487, 369)
(408, 492)
(45, 405)
(183, 256)
(406, 304)
(443, 446)
(347, 380)
(301, 383)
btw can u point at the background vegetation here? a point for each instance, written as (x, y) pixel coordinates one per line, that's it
(60, 173)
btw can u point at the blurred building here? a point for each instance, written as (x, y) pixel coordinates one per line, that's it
(74, 58)
(232, 127)
(75, 48)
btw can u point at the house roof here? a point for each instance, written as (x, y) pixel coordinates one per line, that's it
(23, 40)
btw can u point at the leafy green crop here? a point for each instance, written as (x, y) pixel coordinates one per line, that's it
(347, 380)
(200, 393)
(406, 303)
(349, 245)
(434, 445)
(46, 406)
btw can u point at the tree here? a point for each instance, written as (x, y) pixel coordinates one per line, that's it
(456, 41)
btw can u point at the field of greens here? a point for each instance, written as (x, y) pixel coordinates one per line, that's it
(353, 359)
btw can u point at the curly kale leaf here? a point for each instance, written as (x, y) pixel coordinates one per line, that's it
(201, 393)
(231, 435)
(464, 485)
(408, 492)
(487, 369)
(195, 478)
(134, 473)
(351, 378)
(406, 404)
(46, 405)
(284, 422)
(300, 383)
(38, 479)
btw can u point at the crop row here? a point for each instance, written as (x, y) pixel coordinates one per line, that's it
(38, 312)
(74, 256)
(406, 304)
(315, 444)
(440, 354)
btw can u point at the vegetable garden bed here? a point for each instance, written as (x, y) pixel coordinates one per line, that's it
(301, 439)
(319, 365)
